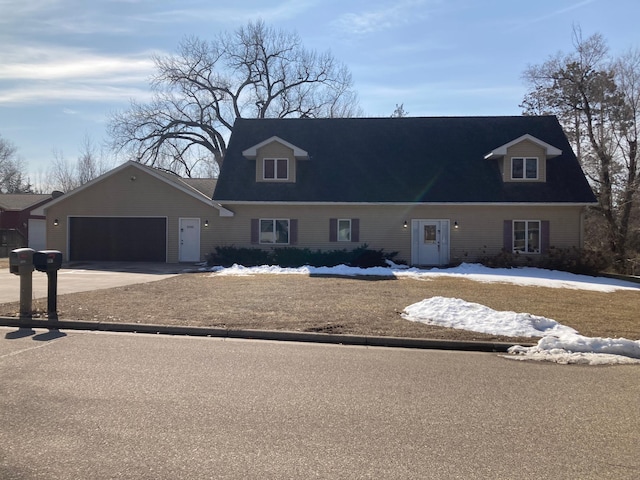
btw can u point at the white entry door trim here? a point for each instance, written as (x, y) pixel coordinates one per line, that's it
(189, 234)
(430, 241)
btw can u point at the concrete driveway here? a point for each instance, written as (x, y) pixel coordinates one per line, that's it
(82, 277)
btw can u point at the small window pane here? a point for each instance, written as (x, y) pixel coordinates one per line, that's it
(266, 231)
(282, 231)
(532, 168)
(519, 236)
(533, 237)
(344, 230)
(269, 168)
(517, 168)
(430, 234)
(283, 170)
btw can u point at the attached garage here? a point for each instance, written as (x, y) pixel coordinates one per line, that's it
(135, 213)
(128, 239)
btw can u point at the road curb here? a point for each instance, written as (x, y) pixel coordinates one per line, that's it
(276, 335)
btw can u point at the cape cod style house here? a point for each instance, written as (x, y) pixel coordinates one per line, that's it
(437, 190)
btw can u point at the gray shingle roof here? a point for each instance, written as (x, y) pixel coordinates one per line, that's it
(426, 159)
(206, 186)
(21, 201)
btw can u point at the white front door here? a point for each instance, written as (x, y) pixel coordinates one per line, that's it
(429, 242)
(189, 240)
(37, 234)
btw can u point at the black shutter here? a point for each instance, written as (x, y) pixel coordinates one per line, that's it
(355, 229)
(333, 229)
(507, 236)
(293, 231)
(255, 230)
(545, 236)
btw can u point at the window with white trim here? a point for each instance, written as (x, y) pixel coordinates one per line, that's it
(274, 230)
(344, 229)
(275, 169)
(526, 236)
(524, 168)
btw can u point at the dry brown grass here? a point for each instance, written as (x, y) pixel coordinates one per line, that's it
(365, 305)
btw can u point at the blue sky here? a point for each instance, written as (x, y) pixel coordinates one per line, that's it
(65, 65)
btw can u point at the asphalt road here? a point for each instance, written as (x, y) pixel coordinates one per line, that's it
(78, 405)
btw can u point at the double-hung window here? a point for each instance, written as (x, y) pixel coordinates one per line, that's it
(526, 236)
(524, 168)
(275, 169)
(274, 230)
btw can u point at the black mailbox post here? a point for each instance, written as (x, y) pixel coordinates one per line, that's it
(50, 261)
(21, 263)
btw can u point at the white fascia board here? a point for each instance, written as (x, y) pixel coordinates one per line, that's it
(224, 212)
(501, 151)
(252, 152)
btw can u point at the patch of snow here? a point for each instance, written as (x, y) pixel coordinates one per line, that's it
(525, 276)
(457, 313)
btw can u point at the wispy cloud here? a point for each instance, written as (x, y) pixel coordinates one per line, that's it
(226, 15)
(34, 74)
(552, 14)
(385, 17)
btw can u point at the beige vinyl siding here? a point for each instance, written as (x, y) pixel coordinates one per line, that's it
(525, 149)
(275, 150)
(119, 195)
(480, 231)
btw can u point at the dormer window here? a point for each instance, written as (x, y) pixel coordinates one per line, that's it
(524, 159)
(276, 160)
(276, 169)
(524, 168)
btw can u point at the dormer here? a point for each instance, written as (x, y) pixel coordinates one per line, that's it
(276, 160)
(524, 159)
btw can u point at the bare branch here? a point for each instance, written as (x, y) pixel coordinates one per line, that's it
(254, 72)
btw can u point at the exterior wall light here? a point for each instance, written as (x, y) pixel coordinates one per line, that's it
(455, 225)
(206, 223)
(405, 224)
(55, 222)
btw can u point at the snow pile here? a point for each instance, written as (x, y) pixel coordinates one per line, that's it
(456, 313)
(525, 276)
(559, 343)
(574, 348)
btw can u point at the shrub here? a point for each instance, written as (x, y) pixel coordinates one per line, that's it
(296, 257)
(227, 256)
(574, 260)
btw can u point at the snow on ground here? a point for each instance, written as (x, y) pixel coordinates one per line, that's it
(526, 276)
(559, 343)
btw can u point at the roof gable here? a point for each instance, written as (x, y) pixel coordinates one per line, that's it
(168, 178)
(400, 160)
(502, 149)
(252, 151)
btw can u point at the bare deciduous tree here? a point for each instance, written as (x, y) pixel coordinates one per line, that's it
(399, 112)
(12, 174)
(66, 176)
(597, 100)
(254, 72)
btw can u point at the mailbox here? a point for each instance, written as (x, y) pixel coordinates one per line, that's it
(21, 261)
(47, 260)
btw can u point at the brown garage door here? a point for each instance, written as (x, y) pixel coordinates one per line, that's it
(125, 239)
